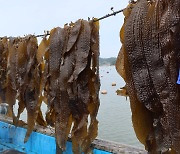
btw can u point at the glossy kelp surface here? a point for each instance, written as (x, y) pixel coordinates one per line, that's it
(149, 63)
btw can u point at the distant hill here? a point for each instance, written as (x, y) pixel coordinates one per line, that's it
(107, 61)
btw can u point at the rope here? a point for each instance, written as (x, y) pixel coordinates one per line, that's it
(94, 20)
(108, 15)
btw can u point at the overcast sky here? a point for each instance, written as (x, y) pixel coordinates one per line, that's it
(19, 17)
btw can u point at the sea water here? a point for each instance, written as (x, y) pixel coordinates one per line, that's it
(114, 113)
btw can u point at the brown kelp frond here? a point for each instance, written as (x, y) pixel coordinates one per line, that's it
(149, 64)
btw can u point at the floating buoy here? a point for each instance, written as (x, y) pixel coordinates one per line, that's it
(107, 72)
(113, 84)
(103, 92)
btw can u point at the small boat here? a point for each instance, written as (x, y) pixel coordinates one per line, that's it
(42, 141)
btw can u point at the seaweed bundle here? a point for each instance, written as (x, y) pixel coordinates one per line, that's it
(72, 81)
(149, 63)
(63, 71)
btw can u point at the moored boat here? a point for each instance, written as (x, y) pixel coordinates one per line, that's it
(42, 141)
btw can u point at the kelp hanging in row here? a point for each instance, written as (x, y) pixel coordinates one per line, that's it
(149, 64)
(63, 71)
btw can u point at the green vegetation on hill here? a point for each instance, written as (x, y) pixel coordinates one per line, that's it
(107, 61)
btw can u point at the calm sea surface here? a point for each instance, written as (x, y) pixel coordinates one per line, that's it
(114, 113)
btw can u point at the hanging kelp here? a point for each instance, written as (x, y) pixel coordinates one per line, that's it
(73, 84)
(3, 68)
(12, 75)
(149, 63)
(141, 117)
(63, 72)
(23, 80)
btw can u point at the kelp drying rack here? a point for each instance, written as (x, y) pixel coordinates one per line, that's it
(111, 147)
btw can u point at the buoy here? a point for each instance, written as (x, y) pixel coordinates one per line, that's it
(103, 92)
(107, 71)
(113, 84)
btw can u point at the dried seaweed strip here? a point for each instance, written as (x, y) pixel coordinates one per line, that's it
(120, 59)
(61, 107)
(12, 75)
(80, 110)
(170, 50)
(79, 79)
(51, 73)
(83, 48)
(50, 114)
(134, 47)
(141, 117)
(78, 136)
(77, 105)
(140, 86)
(43, 59)
(93, 107)
(163, 72)
(175, 42)
(86, 95)
(62, 115)
(95, 47)
(80, 103)
(62, 110)
(73, 35)
(81, 60)
(1, 72)
(57, 40)
(25, 63)
(60, 99)
(95, 64)
(121, 70)
(43, 48)
(94, 86)
(12, 63)
(87, 101)
(32, 89)
(3, 68)
(22, 62)
(158, 72)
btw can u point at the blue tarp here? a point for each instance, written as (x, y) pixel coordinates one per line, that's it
(12, 137)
